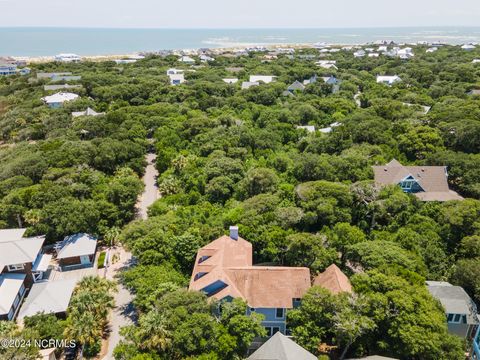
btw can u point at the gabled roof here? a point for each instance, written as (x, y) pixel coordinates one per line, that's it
(333, 279)
(270, 286)
(21, 251)
(297, 85)
(265, 78)
(454, 299)
(227, 262)
(280, 347)
(48, 297)
(11, 234)
(60, 97)
(432, 179)
(77, 245)
(248, 84)
(10, 285)
(88, 112)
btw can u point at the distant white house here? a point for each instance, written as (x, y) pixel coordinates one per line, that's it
(359, 53)
(187, 60)
(382, 48)
(88, 112)
(468, 47)
(327, 64)
(249, 84)
(405, 53)
(176, 79)
(308, 128)
(476, 61)
(329, 128)
(230, 80)
(206, 58)
(388, 80)
(373, 55)
(263, 78)
(174, 71)
(68, 58)
(125, 61)
(431, 50)
(60, 87)
(56, 101)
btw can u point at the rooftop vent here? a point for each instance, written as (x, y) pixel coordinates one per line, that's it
(234, 232)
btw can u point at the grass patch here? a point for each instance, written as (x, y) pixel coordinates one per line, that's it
(101, 259)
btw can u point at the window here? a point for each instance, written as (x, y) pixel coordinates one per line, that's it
(456, 318)
(407, 184)
(279, 313)
(203, 258)
(199, 275)
(275, 329)
(15, 267)
(269, 330)
(10, 314)
(16, 301)
(252, 309)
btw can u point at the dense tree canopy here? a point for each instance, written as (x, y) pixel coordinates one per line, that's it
(228, 156)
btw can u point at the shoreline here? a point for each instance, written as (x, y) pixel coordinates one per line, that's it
(220, 50)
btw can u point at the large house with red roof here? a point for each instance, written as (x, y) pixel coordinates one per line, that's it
(223, 271)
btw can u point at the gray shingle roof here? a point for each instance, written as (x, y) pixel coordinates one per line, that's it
(432, 179)
(297, 85)
(280, 347)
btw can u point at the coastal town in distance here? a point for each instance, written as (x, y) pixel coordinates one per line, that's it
(248, 197)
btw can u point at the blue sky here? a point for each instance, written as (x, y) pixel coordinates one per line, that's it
(239, 13)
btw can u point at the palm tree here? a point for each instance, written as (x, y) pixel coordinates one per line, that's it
(82, 327)
(111, 235)
(153, 333)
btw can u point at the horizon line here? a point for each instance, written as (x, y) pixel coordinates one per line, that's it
(235, 28)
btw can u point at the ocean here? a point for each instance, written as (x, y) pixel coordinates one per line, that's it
(91, 41)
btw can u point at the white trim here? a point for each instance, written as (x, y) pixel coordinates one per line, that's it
(276, 313)
(16, 267)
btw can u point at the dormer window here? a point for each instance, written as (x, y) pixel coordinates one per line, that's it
(410, 184)
(200, 275)
(203, 258)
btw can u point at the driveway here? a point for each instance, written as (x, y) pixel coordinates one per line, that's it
(150, 194)
(124, 313)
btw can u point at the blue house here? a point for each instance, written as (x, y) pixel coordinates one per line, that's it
(476, 345)
(461, 312)
(8, 69)
(223, 271)
(428, 183)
